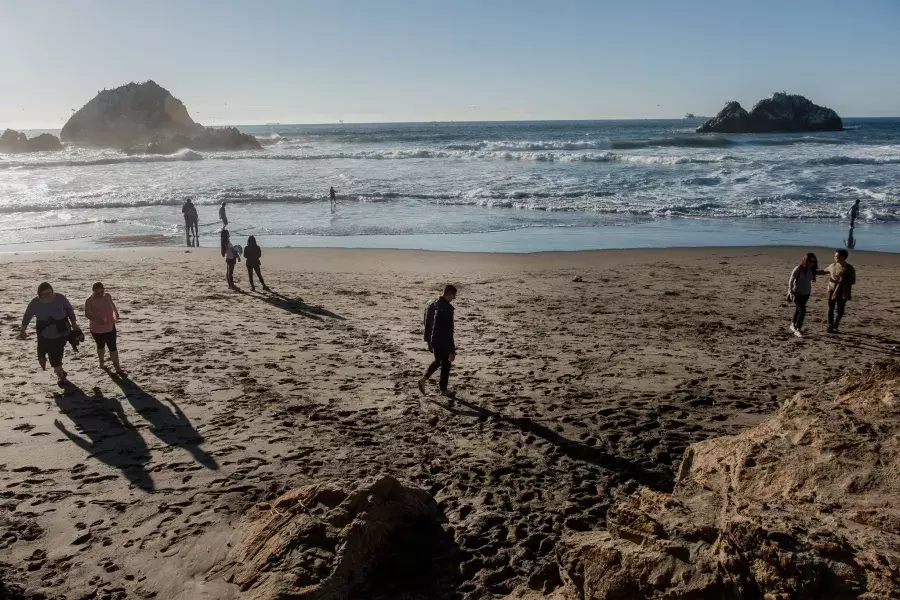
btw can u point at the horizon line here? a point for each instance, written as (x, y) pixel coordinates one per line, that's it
(286, 123)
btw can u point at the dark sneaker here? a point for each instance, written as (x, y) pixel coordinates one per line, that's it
(831, 329)
(422, 386)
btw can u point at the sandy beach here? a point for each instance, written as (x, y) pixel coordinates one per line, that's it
(579, 375)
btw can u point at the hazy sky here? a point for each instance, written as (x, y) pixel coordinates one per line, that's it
(297, 61)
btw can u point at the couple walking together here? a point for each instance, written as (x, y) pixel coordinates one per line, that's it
(252, 255)
(842, 278)
(57, 326)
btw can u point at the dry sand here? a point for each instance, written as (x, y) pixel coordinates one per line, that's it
(569, 390)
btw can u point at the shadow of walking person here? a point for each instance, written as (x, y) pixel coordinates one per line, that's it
(656, 480)
(294, 305)
(170, 425)
(108, 436)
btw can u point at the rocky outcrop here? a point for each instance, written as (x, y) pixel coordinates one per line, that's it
(207, 139)
(333, 541)
(805, 505)
(14, 142)
(780, 113)
(145, 117)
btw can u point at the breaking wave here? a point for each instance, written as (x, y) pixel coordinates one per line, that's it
(185, 155)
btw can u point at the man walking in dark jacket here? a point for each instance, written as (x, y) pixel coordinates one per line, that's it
(439, 337)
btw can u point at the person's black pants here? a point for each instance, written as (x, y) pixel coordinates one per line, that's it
(54, 349)
(442, 362)
(229, 275)
(835, 311)
(250, 269)
(106, 339)
(800, 301)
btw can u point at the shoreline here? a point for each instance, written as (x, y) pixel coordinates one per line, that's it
(546, 259)
(671, 233)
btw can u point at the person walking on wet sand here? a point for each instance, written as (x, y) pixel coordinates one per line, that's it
(232, 256)
(333, 196)
(252, 254)
(842, 279)
(800, 289)
(55, 324)
(439, 337)
(222, 216)
(103, 315)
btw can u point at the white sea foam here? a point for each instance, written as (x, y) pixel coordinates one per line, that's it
(184, 155)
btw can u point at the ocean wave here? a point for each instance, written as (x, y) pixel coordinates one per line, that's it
(605, 144)
(422, 153)
(853, 160)
(796, 141)
(866, 193)
(58, 225)
(641, 159)
(702, 181)
(184, 155)
(175, 200)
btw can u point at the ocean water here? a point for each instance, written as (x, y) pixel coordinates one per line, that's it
(486, 186)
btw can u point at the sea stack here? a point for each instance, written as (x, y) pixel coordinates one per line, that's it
(14, 142)
(145, 117)
(782, 113)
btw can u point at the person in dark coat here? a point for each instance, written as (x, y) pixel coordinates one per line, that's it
(439, 337)
(252, 254)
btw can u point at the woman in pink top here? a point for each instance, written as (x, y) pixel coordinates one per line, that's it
(102, 313)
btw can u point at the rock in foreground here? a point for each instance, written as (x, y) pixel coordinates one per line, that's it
(806, 505)
(145, 117)
(14, 142)
(333, 541)
(780, 113)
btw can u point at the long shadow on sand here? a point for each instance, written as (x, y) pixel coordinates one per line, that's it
(105, 433)
(293, 305)
(879, 344)
(170, 425)
(656, 480)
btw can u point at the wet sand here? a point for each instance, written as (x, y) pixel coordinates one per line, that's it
(568, 392)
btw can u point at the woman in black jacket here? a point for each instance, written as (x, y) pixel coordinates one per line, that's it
(252, 254)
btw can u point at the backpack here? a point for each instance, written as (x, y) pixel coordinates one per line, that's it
(430, 311)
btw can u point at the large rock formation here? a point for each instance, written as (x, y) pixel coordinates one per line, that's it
(14, 141)
(334, 541)
(780, 113)
(804, 506)
(145, 117)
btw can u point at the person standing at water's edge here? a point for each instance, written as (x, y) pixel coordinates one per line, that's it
(191, 230)
(252, 254)
(333, 196)
(195, 223)
(232, 255)
(854, 213)
(800, 289)
(843, 278)
(222, 216)
(439, 337)
(103, 315)
(55, 323)
(185, 211)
